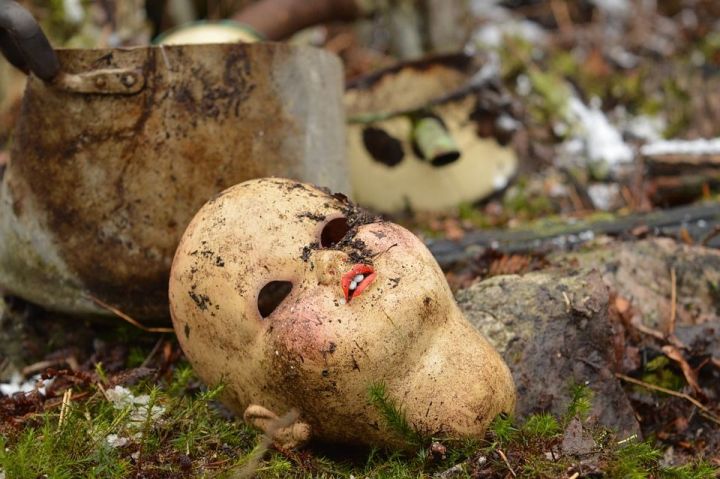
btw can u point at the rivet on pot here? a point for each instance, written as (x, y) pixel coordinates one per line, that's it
(128, 79)
(100, 82)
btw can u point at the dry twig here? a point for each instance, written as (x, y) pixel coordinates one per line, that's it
(637, 323)
(41, 366)
(690, 374)
(67, 397)
(507, 463)
(153, 352)
(127, 318)
(673, 303)
(703, 409)
(562, 16)
(712, 234)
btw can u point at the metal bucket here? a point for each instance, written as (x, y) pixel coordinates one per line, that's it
(112, 157)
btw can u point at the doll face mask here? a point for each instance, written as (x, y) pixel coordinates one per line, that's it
(296, 299)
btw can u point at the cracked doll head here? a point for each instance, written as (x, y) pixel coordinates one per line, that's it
(296, 299)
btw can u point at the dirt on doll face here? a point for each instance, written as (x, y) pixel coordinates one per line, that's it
(295, 298)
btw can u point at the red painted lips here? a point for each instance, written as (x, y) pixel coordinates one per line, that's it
(356, 280)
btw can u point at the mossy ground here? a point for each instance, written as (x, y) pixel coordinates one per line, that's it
(179, 430)
(171, 426)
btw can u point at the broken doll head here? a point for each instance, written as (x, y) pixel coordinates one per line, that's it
(295, 299)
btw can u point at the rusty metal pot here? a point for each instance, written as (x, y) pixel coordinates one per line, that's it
(116, 150)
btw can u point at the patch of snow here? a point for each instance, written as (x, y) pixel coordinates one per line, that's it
(646, 127)
(688, 18)
(487, 8)
(74, 12)
(499, 23)
(588, 235)
(602, 142)
(523, 85)
(558, 190)
(623, 58)
(492, 34)
(122, 398)
(615, 8)
(113, 440)
(701, 146)
(19, 384)
(604, 195)
(697, 58)
(455, 471)
(114, 40)
(490, 69)
(507, 123)
(560, 128)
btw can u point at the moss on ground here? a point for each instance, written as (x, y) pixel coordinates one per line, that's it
(175, 428)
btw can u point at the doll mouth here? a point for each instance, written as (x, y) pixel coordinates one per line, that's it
(356, 280)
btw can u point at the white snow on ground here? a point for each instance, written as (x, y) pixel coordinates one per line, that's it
(488, 8)
(604, 195)
(492, 34)
(618, 8)
(113, 440)
(18, 384)
(122, 397)
(73, 11)
(602, 142)
(682, 147)
(500, 22)
(645, 127)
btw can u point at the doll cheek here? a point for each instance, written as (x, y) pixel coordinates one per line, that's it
(303, 334)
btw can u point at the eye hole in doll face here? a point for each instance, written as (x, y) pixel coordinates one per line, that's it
(272, 295)
(330, 234)
(275, 292)
(333, 232)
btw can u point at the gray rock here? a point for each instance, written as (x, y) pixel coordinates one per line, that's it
(640, 271)
(553, 330)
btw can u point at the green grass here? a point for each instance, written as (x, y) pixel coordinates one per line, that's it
(580, 402)
(638, 460)
(174, 432)
(541, 426)
(175, 428)
(393, 415)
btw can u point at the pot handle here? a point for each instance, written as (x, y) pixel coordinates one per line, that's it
(23, 42)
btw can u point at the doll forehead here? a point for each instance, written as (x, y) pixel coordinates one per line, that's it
(315, 197)
(286, 205)
(295, 212)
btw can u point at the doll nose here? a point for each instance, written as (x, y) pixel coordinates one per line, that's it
(329, 266)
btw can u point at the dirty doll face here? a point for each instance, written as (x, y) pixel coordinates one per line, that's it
(294, 297)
